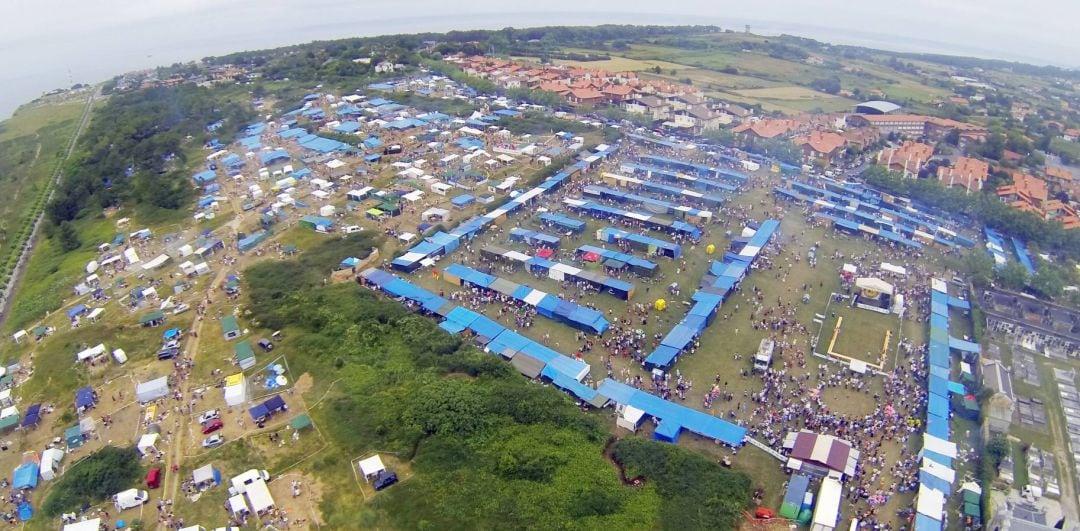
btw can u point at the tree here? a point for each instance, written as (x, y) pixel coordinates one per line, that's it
(1048, 281)
(69, 237)
(979, 267)
(1012, 276)
(997, 448)
(102, 474)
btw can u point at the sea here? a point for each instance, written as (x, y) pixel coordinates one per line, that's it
(31, 66)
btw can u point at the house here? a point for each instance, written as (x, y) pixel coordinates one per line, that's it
(966, 173)
(1002, 401)
(617, 93)
(1029, 194)
(1071, 135)
(650, 106)
(821, 146)
(585, 96)
(230, 328)
(819, 454)
(699, 118)
(861, 137)
(908, 157)
(385, 67)
(767, 127)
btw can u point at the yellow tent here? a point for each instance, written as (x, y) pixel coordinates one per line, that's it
(660, 304)
(710, 249)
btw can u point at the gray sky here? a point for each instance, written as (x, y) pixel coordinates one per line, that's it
(49, 43)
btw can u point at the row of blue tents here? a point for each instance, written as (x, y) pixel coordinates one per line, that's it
(936, 475)
(699, 170)
(534, 238)
(560, 272)
(898, 207)
(429, 248)
(653, 222)
(921, 226)
(697, 183)
(563, 222)
(535, 360)
(494, 337)
(645, 243)
(682, 195)
(658, 206)
(547, 305)
(841, 218)
(724, 276)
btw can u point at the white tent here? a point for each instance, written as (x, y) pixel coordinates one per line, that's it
(259, 497)
(131, 256)
(95, 314)
(187, 267)
(931, 503)
(630, 418)
(152, 390)
(120, 356)
(939, 446)
(50, 463)
(201, 268)
(157, 262)
(874, 284)
(185, 250)
(850, 268)
(371, 467)
(236, 391)
(406, 237)
(147, 442)
(5, 398)
(205, 474)
(91, 353)
(238, 505)
(85, 525)
(10, 411)
(19, 336)
(899, 270)
(87, 425)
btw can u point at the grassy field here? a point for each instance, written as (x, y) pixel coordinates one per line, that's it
(862, 334)
(775, 84)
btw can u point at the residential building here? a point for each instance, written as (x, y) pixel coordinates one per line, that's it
(651, 106)
(1071, 135)
(617, 93)
(966, 173)
(930, 127)
(820, 146)
(768, 127)
(699, 118)
(908, 158)
(1029, 194)
(585, 96)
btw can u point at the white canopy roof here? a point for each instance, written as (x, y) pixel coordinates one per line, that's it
(10, 411)
(147, 441)
(931, 502)
(371, 466)
(939, 446)
(238, 505)
(899, 270)
(259, 497)
(850, 268)
(85, 525)
(875, 284)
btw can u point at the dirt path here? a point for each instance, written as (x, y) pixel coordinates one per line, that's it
(1068, 490)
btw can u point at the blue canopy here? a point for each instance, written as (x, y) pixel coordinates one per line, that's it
(25, 477)
(33, 415)
(84, 397)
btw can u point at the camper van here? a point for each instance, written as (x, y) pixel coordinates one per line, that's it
(352, 229)
(763, 357)
(130, 498)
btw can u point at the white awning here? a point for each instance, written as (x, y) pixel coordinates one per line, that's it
(371, 466)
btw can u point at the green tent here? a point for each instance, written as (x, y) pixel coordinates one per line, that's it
(244, 354)
(972, 510)
(9, 422)
(153, 318)
(73, 436)
(300, 421)
(40, 332)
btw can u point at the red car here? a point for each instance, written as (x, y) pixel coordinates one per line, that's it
(212, 426)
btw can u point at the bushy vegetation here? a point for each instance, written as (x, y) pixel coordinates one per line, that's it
(94, 479)
(697, 494)
(487, 449)
(135, 149)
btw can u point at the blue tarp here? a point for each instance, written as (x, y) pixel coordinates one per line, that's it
(33, 415)
(76, 311)
(960, 344)
(84, 397)
(204, 177)
(937, 426)
(938, 405)
(678, 416)
(956, 388)
(925, 523)
(25, 477)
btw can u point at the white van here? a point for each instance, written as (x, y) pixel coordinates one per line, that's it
(130, 498)
(352, 229)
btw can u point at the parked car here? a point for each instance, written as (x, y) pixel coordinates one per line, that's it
(265, 344)
(213, 441)
(207, 416)
(212, 426)
(384, 479)
(130, 498)
(168, 353)
(181, 308)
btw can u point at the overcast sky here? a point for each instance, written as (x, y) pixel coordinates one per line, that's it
(46, 43)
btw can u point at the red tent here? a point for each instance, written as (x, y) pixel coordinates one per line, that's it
(545, 253)
(591, 257)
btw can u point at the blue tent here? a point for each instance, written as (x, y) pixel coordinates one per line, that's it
(84, 397)
(33, 416)
(171, 334)
(25, 477)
